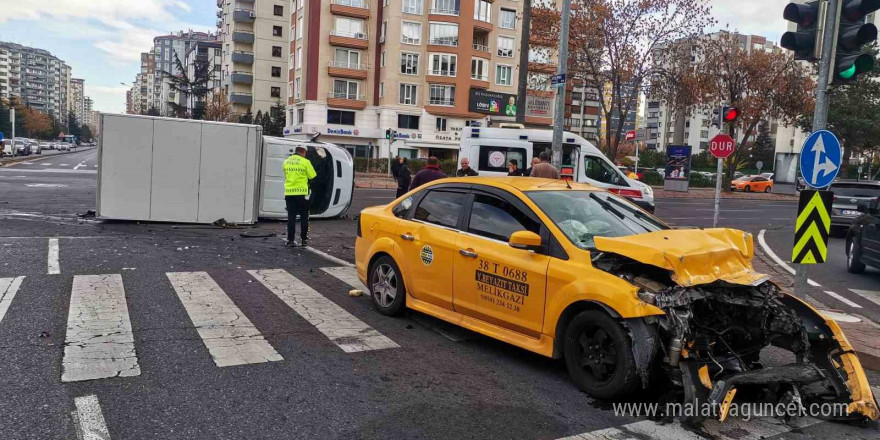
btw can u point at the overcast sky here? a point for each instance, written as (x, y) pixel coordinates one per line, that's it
(102, 39)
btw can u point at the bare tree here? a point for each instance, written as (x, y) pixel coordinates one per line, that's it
(218, 108)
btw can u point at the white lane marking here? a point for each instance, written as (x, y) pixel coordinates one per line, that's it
(347, 275)
(228, 334)
(842, 299)
(870, 295)
(46, 164)
(54, 265)
(328, 256)
(345, 330)
(25, 163)
(99, 342)
(778, 260)
(732, 429)
(81, 164)
(8, 288)
(53, 170)
(839, 317)
(65, 164)
(91, 420)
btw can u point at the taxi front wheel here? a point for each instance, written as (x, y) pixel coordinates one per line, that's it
(386, 287)
(598, 354)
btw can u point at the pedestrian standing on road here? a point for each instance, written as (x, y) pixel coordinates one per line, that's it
(466, 169)
(298, 171)
(544, 168)
(513, 168)
(429, 173)
(404, 177)
(535, 160)
(395, 166)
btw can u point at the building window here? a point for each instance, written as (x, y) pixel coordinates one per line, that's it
(347, 58)
(505, 47)
(275, 92)
(480, 69)
(443, 34)
(539, 54)
(276, 51)
(440, 124)
(300, 115)
(279, 10)
(539, 81)
(507, 20)
(412, 7)
(299, 58)
(411, 33)
(301, 3)
(704, 134)
(344, 89)
(448, 7)
(382, 59)
(442, 95)
(277, 31)
(381, 89)
(276, 72)
(408, 122)
(482, 10)
(296, 88)
(349, 27)
(408, 94)
(409, 63)
(299, 27)
(340, 117)
(443, 64)
(503, 75)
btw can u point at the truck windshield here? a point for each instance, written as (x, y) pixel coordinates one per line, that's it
(583, 215)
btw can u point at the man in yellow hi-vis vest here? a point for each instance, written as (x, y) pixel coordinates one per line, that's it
(298, 171)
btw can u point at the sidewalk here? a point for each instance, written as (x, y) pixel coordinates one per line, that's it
(373, 180)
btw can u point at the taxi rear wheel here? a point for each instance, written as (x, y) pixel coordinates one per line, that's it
(598, 354)
(386, 287)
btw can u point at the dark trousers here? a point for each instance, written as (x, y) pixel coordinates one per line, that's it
(297, 205)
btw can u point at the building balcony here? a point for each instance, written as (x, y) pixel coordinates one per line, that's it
(243, 36)
(244, 15)
(242, 78)
(343, 69)
(351, 8)
(482, 49)
(219, 13)
(346, 100)
(448, 42)
(480, 82)
(451, 12)
(483, 24)
(356, 40)
(219, 3)
(440, 77)
(243, 57)
(241, 98)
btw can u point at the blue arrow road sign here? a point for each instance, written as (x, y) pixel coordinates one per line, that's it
(820, 159)
(1, 135)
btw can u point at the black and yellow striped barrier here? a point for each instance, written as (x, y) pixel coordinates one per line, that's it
(812, 227)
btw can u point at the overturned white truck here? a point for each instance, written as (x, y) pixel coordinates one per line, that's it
(187, 171)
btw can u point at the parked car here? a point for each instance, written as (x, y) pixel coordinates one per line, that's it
(21, 148)
(6, 147)
(752, 184)
(863, 238)
(737, 175)
(848, 194)
(64, 146)
(769, 176)
(36, 148)
(46, 145)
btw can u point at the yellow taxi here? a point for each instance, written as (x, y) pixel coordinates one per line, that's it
(571, 271)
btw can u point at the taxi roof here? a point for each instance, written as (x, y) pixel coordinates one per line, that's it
(523, 183)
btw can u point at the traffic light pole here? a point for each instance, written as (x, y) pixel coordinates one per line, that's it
(559, 116)
(718, 174)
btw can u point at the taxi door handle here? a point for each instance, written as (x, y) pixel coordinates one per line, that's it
(467, 253)
(407, 237)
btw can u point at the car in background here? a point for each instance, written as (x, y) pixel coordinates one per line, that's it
(863, 238)
(738, 174)
(6, 147)
(752, 184)
(22, 148)
(64, 146)
(848, 194)
(46, 145)
(769, 176)
(35, 147)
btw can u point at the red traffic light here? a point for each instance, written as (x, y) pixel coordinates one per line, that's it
(730, 114)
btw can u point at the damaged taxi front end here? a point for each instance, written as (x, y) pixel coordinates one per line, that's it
(720, 314)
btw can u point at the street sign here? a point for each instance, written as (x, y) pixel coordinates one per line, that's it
(820, 159)
(722, 146)
(759, 165)
(1, 137)
(812, 227)
(630, 135)
(557, 80)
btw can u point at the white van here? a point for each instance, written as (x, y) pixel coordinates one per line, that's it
(332, 189)
(490, 149)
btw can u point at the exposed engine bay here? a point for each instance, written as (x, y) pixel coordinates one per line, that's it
(710, 340)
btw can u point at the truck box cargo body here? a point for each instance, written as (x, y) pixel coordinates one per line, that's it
(188, 171)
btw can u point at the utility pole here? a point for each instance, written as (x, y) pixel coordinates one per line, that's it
(559, 115)
(12, 119)
(523, 73)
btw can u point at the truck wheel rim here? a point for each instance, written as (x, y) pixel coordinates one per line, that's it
(384, 285)
(597, 354)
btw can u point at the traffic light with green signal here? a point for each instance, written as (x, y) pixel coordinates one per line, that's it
(806, 39)
(388, 134)
(852, 34)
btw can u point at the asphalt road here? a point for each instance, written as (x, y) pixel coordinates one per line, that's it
(438, 382)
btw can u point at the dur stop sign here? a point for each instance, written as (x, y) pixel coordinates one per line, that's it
(722, 146)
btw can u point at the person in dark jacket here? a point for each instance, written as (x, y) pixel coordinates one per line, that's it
(513, 168)
(395, 165)
(430, 173)
(466, 169)
(403, 176)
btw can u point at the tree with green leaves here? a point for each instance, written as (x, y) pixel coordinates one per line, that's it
(85, 133)
(763, 149)
(191, 90)
(246, 118)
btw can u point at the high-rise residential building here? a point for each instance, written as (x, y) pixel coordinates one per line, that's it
(129, 106)
(87, 112)
(35, 77)
(166, 50)
(76, 103)
(629, 122)
(422, 68)
(256, 47)
(207, 55)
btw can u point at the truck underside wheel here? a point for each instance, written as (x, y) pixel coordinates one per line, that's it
(598, 354)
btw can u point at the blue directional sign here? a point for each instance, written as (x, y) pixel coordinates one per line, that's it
(1, 135)
(557, 80)
(820, 159)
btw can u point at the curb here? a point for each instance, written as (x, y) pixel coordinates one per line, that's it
(27, 158)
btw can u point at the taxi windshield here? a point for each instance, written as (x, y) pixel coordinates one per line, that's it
(583, 215)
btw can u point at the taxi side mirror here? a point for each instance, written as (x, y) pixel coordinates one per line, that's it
(526, 240)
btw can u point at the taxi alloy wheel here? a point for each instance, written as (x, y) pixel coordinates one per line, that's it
(853, 265)
(598, 354)
(748, 188)
(386, 287)
(767, 189)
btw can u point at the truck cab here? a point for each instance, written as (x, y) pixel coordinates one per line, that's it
(490, 149)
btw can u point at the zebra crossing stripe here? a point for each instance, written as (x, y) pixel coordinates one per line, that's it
(870, 295)
(90, 418)
(228, 334)
(8, 288)
(99, 342)
(345, 330)
(732, 429)
(347, 275)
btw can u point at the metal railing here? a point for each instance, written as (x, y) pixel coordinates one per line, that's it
(444, 41)
(356, 35)
(345, 95)
(480, 77)
(442, 11)
(348, 65)
(481, 47)
(441, 101)
(450, 73)
(353, 3)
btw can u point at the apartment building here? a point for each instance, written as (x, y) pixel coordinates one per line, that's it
(255, 36)
(35, 77)
(88, 113)
(76, 102)
(166, 48)
(203, 55)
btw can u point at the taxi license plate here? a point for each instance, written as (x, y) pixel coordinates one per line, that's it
(849, 212)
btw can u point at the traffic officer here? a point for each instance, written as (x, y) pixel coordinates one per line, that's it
(298, 171)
